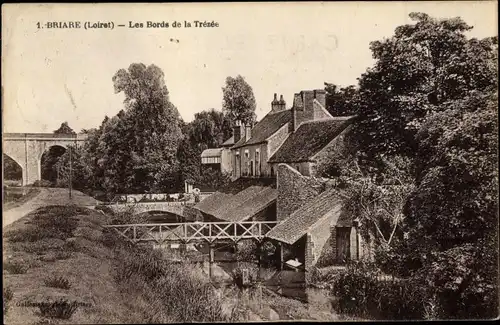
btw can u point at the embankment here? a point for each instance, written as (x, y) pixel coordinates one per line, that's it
(60, 264)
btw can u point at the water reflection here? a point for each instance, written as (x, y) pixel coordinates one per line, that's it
(287, 282)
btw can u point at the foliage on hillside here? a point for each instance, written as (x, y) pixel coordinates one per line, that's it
(429, 101)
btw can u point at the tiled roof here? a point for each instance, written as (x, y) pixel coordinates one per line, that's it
(266, 127)
(216, 152)
(327, 204)
(240, 200)
(250, 205)
(309, 139)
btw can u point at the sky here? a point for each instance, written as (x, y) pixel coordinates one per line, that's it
(54, 75)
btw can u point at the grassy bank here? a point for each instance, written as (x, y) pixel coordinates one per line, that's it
(60, 267)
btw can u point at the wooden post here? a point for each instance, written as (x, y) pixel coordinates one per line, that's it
(70, 171)
(210, 259)
(280, 252)
(258, 252)
(236, 251)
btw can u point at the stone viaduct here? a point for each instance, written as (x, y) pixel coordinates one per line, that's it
(26, 149)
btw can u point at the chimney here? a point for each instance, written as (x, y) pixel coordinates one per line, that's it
(297, 108)
(282, 103)
(248, 131)
(238, 131)
(320, 96)
(308, 96)
(275, 104)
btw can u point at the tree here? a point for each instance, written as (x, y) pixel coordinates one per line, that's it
(430, 100)
(209, 129)
(422, 66)
(48, 163)
(11, 170)
(452, 215)
(136, 150)
(64, 129)
(341, 101)
(147, 131)
(238, 100)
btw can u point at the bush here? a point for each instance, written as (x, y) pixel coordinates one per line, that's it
(362, 291)
(15, 267)
(62, 308)
(63, 255)
(7, 297)
(48, 222)
(58, 282)
(183, 296)
(42, 183)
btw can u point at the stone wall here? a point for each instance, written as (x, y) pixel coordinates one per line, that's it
(294, 190)
(320, 233)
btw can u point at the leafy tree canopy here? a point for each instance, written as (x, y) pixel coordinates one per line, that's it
(238, 100)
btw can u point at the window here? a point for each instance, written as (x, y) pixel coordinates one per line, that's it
(247, 162)
(257, 162)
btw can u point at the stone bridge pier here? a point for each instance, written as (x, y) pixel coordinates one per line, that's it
(26, 149)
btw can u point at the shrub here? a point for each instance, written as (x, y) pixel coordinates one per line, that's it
(246, 251)
(63, 255)
(7, 297)
(42, 183)
(146, 262)
(362, 291)
(48, 222)
(184, 296)
(62, 308)
(58, 282)
(15, 267)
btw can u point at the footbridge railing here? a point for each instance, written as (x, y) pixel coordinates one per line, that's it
(194, 231)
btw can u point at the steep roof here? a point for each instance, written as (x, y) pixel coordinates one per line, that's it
(327, 204)
(271, 123)
(240, 200)
(309, 139)
(216, 152)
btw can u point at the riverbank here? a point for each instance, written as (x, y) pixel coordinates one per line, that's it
(60, 265)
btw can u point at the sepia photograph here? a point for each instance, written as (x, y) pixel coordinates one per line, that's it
(249, 162)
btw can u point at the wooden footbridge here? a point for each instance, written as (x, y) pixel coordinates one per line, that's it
(187, 232)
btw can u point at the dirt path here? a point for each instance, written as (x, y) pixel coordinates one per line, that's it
(47, 196)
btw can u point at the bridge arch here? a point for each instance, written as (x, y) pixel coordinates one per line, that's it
(161, 216)
(27, 149)
(12, 169)
(49, 156)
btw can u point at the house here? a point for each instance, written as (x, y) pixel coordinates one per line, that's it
(254, 145)
(286, 146)
(219, 158)
(310, 142)
(312, 221)
(298, 136)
